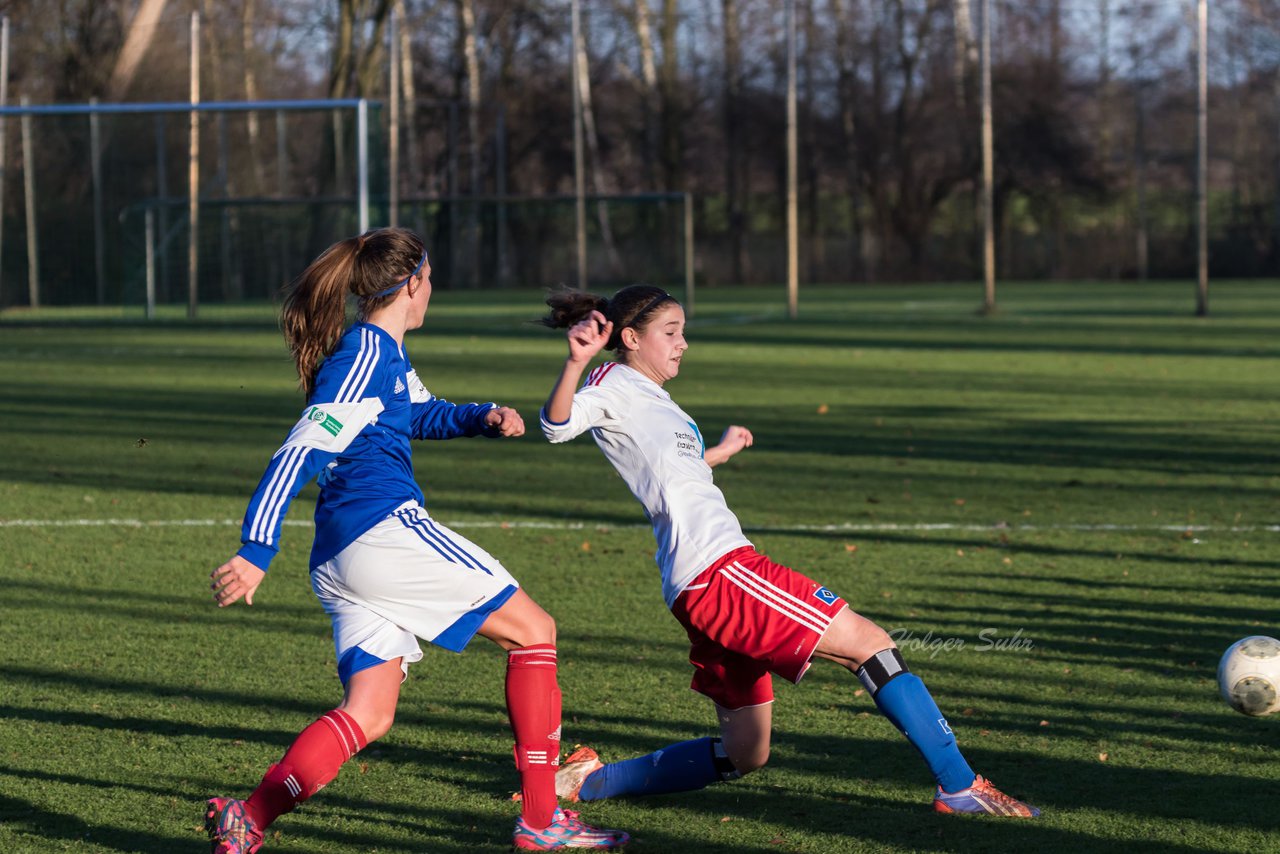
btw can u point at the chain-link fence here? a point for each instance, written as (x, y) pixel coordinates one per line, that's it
(97, 208)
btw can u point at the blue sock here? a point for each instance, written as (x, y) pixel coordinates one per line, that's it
(906, 702)
(678, 768)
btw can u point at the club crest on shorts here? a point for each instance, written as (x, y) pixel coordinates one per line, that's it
(825, 595)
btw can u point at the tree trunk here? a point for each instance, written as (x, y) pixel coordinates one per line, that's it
(734, 156)
(847, 96)
(593, 152)
(142, 30)
(471, 58)
(649, 97)
(248, 18)
(340, 73)
(410, 93)
(369, 74)
(669, 88)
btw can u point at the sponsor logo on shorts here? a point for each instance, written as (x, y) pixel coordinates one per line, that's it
(478, 601)
(946, 727)
(399, 385)
(825, 595)
(331, 425)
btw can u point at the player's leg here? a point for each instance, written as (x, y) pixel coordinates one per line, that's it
(743, 747)
(741, 689)
(311, 762)
(862, 647)
(528, 634)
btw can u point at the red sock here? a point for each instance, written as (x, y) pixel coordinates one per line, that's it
(310, 762)
(533, 703)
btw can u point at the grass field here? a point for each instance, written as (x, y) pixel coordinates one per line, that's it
(1092, 477)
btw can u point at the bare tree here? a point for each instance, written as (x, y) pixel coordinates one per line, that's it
(142, 30)
(736, 187)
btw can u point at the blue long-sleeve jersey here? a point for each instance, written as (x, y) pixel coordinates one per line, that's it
(368, 403)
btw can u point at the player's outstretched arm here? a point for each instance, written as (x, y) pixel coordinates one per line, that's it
(235, 578)
(735, 439)
(586, 338)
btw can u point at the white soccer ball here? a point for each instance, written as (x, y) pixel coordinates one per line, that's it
(1249, 675)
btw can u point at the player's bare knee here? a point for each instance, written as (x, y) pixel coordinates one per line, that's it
(852, 639)
(732, 763)
(751, 761)
(533, 630)
(374, 722)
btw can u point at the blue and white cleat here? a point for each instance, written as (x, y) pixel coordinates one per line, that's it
(566, 831)
(982, 798)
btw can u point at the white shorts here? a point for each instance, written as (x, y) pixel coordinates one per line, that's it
(405, 578)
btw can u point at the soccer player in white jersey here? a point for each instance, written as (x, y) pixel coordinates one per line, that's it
(747, 617)
(384, 570)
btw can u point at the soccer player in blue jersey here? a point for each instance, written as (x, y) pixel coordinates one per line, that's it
(383, 569)
(746, 616)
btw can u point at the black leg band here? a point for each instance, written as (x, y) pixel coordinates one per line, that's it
(879, 669)
(723, 765)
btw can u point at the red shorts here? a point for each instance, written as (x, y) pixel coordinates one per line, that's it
(748, 617)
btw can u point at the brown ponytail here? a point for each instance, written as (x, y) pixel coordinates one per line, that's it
(632, 306)
(314, 314)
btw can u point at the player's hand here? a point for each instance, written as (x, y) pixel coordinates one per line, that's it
(235, 578)
(588, 336)
(735, 439)
(506, 419)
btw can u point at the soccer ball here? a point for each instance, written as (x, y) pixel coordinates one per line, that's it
(1249, 675)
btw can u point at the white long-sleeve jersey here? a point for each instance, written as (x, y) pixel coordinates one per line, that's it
(658, 450)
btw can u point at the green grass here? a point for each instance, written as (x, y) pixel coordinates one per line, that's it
(126, 698)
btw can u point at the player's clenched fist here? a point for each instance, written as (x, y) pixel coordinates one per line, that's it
(588, 336)
(507, 420)
(235, 578)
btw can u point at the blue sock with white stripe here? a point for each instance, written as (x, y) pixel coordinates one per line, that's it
(681, 767)
(906, 702)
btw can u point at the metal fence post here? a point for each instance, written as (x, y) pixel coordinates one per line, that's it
(688, 254)
(151, 263)
(99, 240)
(362, 157)
(29, 187)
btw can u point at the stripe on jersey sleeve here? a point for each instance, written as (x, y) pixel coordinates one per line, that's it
(597, 376)
(362, 368)
(280, 486)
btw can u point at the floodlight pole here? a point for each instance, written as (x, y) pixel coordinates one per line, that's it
(579, 177)
(1202, 159)
(193, 176)
(988, 171)
(793, 224)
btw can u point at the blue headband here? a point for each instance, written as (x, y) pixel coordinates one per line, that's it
(398, 285)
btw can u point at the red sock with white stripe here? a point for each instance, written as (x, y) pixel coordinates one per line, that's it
(533, 703)
(310, 762)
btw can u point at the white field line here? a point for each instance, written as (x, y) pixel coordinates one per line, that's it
(843, 527)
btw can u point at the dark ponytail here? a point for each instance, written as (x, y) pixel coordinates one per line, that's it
(633, 306)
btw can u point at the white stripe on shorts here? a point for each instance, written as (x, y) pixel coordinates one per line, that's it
(776, 598)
